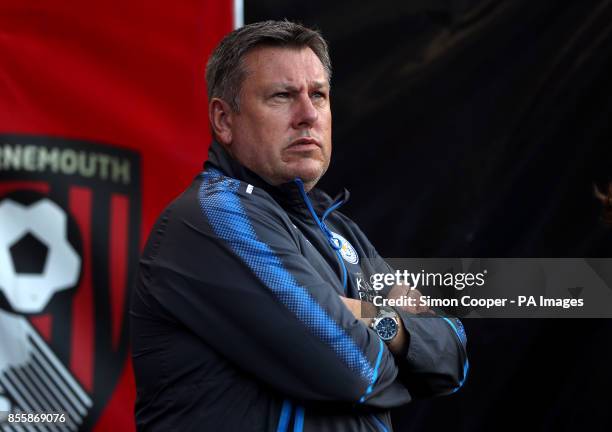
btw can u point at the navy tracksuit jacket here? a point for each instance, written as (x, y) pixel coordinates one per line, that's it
(237, 324)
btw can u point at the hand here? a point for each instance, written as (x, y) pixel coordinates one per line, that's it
(403, 290)
(361, 310)
(365, 312)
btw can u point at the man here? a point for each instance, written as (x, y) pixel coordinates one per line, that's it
(245, 313)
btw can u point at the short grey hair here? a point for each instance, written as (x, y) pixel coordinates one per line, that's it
(225, 70)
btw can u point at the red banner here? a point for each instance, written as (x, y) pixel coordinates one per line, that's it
(103, 121)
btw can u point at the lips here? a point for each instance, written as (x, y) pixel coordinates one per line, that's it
(304, 144)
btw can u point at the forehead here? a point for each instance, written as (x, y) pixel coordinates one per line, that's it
(269, 65)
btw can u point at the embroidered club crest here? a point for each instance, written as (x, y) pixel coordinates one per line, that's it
(347, 250)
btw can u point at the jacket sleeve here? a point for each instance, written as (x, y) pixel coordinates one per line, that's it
(436, 362)
(230, 270)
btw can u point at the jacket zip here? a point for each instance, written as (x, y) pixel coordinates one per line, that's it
(336, 244)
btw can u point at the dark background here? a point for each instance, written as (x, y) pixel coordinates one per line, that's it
(474, 128)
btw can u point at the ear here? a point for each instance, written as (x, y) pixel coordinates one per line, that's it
(221, 115)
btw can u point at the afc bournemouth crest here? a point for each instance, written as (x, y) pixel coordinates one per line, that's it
(69, 241)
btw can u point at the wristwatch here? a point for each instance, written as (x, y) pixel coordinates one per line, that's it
(386, 324)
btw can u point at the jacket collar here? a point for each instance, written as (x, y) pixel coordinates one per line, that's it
(287, 194)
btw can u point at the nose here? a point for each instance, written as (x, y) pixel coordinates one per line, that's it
(305, 114)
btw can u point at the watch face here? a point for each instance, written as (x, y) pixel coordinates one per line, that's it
(386, 328)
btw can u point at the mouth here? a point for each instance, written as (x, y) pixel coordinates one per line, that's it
(304, 144)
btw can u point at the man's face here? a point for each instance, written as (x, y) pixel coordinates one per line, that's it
(283, 128)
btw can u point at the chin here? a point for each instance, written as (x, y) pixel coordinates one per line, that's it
(308, 174)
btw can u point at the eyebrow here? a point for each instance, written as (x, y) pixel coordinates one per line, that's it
(317, 85)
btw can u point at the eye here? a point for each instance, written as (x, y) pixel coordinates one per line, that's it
(319, 95)
(281, 95)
